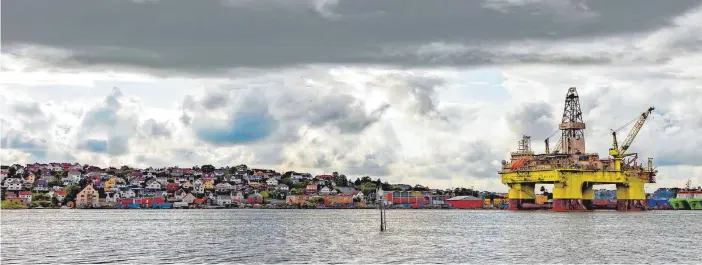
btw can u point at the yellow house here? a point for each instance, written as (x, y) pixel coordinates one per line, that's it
(110, 183)
(30, 179)
(208, 185)
(254, 184)
(88, 197)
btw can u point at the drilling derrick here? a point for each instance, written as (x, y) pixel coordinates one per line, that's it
(572, 125)
(573, 172)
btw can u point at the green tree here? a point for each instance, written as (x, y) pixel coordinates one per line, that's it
(386, 186)
(55, 202)
(208, 168)
(367, 187)
(55, 183)
(343, 181)
(13, 204)
(357, 182)
(11, 172)
(40, 197)
(71, 192)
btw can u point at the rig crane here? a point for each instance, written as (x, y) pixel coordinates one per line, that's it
(620, 151)
(558, 144)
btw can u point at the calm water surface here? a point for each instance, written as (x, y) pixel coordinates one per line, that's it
(348, 236)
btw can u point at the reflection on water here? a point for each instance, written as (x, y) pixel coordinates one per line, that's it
(347, 236)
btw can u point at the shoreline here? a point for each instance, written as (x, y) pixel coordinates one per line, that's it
(294, 208)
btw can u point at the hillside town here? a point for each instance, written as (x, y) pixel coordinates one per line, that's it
(72, 185)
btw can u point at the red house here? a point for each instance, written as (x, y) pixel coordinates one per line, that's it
(172, 186)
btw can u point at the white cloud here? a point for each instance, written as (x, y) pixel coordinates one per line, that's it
(443, 127)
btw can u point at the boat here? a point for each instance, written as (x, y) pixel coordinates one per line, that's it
(687, 199)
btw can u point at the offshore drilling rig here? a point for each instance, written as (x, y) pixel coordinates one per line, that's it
(573, 172)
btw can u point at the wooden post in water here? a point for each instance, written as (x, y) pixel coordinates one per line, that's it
(381, 207)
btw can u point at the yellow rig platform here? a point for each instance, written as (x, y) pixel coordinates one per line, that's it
(573, 172)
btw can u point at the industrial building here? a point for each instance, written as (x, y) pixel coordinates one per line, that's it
(465, 202)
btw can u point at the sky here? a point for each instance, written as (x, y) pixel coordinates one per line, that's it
(409, 91)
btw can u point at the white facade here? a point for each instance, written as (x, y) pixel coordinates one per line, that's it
(14, 184)
(153, 185)
(271, 182)
(223, 187)
(324, 191)
(127, 194)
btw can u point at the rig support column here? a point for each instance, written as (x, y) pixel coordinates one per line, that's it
(521, 193)
(572, 195)
(588, 196)
(631, 196)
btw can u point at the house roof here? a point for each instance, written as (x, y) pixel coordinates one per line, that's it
(348, 190)
(465, 198)
(25, 193)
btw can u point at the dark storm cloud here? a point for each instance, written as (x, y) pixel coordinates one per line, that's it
(205, 36)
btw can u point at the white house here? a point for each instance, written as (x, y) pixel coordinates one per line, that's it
(235, 179)
(58, 194)
(271, 182)
(283, 187)
(153, 185)
(74, 173)
(27, 195)
(199, 189)
(162, 180)
(223, 187)
(359, 196)
(129, 193)
(3, 175)
(112, 197)
(14, 184)
(324, 191)
(189, 198)
(223, 200)
(239, 197)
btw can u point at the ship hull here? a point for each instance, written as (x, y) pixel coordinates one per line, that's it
(686, 204)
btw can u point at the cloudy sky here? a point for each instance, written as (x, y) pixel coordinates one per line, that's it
(435, 93)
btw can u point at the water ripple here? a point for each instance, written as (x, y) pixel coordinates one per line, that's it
(346, 237)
